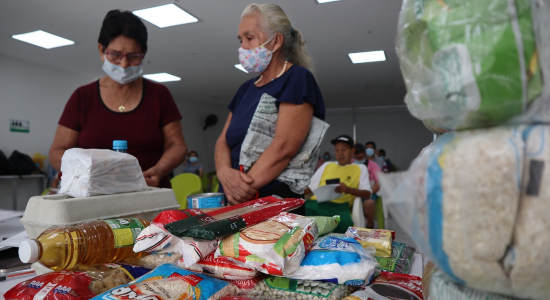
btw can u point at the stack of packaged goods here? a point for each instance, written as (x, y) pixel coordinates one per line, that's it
(476, 201)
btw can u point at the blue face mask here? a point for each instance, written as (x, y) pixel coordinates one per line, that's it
(360, 162)
(326, 157)
(193, 159)
(382, 157)
(370, 152)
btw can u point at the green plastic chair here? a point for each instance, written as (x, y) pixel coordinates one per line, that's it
(205, 181)
(45, 192)
(379, 214)
(184, 185)
(215, 184)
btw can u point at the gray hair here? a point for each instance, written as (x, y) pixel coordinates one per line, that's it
(275, 21)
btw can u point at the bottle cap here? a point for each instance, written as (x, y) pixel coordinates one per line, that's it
(119, 144)
(28, 251)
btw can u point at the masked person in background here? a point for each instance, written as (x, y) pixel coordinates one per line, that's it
(272, 48)
(323, 159)
(192, 164)
(124, 106)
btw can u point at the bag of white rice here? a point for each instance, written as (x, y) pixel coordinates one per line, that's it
(276, 246)
(459, 202)
(171, 282)
(154, 260)
(472, 64)
(89, 172)
(338, 259)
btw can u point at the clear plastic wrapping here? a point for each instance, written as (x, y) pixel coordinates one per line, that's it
(471, 64)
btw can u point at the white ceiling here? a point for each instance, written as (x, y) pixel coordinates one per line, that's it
(203, 54)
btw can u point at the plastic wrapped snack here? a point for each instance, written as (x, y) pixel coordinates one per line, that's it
(400, 260)
(326, 224)
(276, 246)
(380, 239)
(83, 283)
(459, 202)
(338, 259)
(284, 288)
(225, 227)
(154, 260)
(88, 172)
(389, 286)
(222, 268)
(171, 282)
(471, 64)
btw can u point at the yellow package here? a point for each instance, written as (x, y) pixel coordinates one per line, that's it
(380, 239)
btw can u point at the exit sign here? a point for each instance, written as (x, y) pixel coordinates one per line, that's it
(19, 126)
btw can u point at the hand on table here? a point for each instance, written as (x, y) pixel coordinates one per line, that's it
(236, 186)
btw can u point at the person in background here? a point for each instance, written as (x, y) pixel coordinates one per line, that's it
(124, 105)
(323, 159)
(272, 48)
(369, 205)
(192, 164)
(372, 155)
(353, 182)
(389, 164)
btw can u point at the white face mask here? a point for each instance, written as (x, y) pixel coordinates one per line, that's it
(120, 74)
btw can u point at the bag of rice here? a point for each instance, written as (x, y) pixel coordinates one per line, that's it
(171, 282)
(223, 268)
(284, 288)
(276, 246)
(472, 64)
(154, 260)
(89, 172)
(459, 202)
(380, 239)
(400, 260)
(338, 259)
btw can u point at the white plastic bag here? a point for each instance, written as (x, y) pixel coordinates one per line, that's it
(89, 172)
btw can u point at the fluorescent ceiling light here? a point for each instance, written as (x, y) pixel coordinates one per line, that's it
(43, 39)
(365, 57)
(240, 67)
(162, 77)
(165, 15)
(326, 1)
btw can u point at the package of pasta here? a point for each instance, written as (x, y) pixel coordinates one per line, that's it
(284, 288)
(178, 222)
(338, 259)
(223, 268)
(380, 239)
(391, 286)
(83, 283)
(171, 282)
(275, 247)
(232, 225)
(400, 260)
(157, 239)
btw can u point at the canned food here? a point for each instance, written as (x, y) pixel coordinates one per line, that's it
(206, 200)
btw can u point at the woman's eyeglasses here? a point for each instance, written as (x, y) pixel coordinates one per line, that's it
(133, 58)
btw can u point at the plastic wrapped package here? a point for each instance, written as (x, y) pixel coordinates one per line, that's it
(89, 172)
(338, 259)
(326, 224)
(275, 247)
(528, 263)
(284, 288)
(459, 201)
(444, 288)
(83, 283)
(390, 286)
(154, 260)
(400, 260)
(171, 282)
(223, 268)
(471, 64)
(380, 239)
(223, 227)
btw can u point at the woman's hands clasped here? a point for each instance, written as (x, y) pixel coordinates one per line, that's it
(237, 185)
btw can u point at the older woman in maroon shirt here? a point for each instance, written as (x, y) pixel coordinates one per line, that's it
(124, 106)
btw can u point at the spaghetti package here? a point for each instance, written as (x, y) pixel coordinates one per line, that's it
(171, 282)
(338, 259)
(276, 246)
(223, 268)
(389, 286)
(380, 239)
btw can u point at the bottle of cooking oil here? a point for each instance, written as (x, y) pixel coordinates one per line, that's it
(96, 242)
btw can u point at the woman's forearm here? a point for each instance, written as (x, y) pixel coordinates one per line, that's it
(171, 158)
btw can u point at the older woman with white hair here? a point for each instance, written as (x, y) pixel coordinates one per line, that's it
(272, 48)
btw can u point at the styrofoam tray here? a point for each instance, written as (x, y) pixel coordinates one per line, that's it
(45, 211)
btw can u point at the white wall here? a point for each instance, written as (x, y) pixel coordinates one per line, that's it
(393, 130)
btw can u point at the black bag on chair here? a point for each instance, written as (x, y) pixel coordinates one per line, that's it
(5, 166)
(22, 164)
